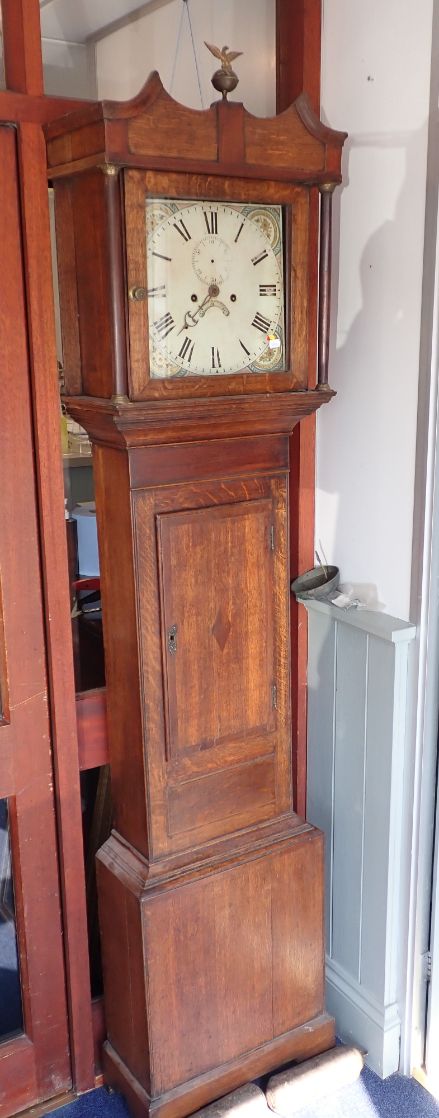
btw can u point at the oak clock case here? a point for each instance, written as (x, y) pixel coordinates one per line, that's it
(185, 278)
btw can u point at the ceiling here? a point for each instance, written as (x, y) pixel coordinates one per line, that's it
(81, 20)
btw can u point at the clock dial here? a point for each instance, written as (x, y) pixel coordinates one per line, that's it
(215, 288)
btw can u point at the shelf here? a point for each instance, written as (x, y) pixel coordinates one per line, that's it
(72, 459)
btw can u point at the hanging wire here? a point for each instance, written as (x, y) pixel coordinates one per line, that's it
(177, 47)
(185, 7)
(195, 53)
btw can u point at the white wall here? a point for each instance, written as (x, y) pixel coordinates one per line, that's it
(126, 57)
(69, 69)
(375, 84)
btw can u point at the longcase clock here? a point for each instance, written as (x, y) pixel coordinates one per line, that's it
(184, 263)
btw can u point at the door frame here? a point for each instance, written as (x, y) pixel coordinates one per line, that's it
(25, 105)
(424, 909)
(423, 715)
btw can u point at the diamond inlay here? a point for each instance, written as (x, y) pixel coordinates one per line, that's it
(221, 628)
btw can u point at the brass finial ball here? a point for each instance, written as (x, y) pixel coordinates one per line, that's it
(224, 83)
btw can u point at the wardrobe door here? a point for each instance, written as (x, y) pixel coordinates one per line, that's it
(34, 1051)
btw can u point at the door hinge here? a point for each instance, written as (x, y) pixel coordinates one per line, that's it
(274, 696)
(272, 538)
(427, 965)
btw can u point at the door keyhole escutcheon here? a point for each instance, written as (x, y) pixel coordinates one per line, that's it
(172, 640)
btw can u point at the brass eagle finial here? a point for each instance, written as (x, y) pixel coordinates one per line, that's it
(225, 56)
(225, 79)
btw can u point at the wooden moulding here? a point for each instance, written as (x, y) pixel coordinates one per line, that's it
(130, 425)
(219, 140)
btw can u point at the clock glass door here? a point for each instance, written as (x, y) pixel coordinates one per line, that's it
(217, 279)
(215, 287)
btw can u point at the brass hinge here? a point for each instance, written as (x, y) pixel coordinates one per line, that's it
(272, 546)
(274, 696)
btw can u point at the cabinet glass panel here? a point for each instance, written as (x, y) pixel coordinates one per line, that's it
(82, 544)
(11, 1013)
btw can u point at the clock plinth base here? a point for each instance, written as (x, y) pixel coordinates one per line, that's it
(213, 973)
(308, 1040)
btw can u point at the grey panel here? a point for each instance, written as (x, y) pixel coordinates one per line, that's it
(349, 796)
(321, 698)
(379, 734)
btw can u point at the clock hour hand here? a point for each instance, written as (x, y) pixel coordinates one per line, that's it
(191, 317)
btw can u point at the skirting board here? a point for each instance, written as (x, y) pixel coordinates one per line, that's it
(364, 1021)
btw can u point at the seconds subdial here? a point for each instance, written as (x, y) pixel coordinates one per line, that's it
(211, 260)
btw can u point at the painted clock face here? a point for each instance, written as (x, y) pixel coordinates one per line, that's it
(215, 288)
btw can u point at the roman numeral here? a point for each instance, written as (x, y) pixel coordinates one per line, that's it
(211, 220)
(267, 288)
(164, 325)
(187, 350)
(239, 232)
(261, 323)
(181, 228)
(262, 256)
(247, 351)
(159, 291)
(161, 257)
(216, 360)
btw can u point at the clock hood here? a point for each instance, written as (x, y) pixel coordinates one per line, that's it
(155, 131)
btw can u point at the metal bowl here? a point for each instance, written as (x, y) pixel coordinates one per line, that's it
(317, 583)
